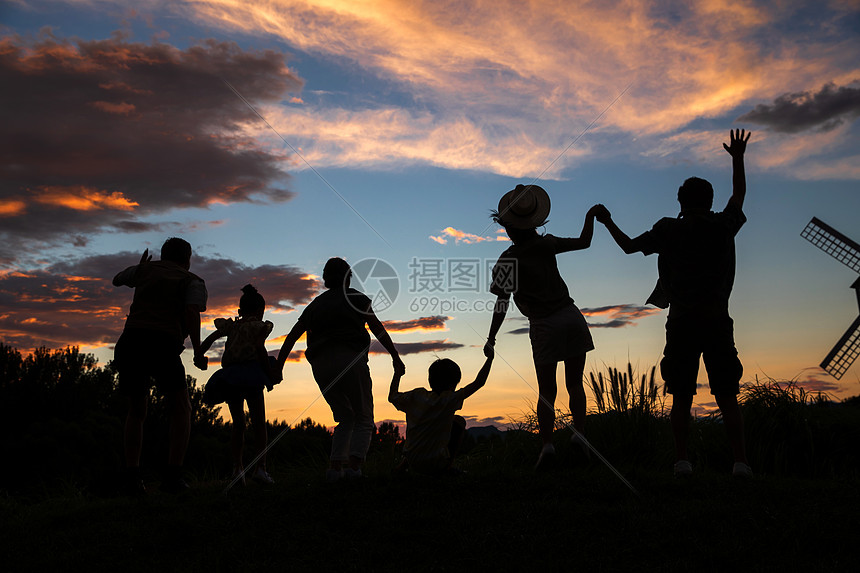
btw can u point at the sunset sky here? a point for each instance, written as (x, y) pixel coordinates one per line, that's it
(275, 134)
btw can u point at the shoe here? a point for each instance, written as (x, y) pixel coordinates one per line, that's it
(742, 471)
(332, 476)
(546, 459)
(351, 474)
(174, 486)
(682, 469)
(262, 476)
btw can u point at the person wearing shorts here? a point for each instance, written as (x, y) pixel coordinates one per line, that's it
(528, 271)
(696, 267)
(168, 300)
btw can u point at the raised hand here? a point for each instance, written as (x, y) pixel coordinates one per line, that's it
(145, 257)
(738, 143)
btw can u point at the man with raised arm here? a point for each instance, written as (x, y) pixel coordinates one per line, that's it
(168, 300)
(696, 266)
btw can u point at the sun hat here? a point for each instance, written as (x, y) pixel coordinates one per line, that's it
(525, 207)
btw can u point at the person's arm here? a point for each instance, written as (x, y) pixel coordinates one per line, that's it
(290, 341)
(207, 343)
(394, 389)
(385, 340)
(192, 325)
(620, 237)
(125, 277)
(499, 312)
(481, 378)
(583, 241)
(736, 148)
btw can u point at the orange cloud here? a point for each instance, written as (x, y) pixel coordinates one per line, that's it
(535, 92)
(82, 198)
(464, 237)
(12, 207)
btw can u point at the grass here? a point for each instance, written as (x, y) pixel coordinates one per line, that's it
(489, 519)
(799, 513)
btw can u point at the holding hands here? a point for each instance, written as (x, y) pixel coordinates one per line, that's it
(201, 361)
(399, 366)
(600, 212)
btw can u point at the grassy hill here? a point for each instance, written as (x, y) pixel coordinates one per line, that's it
(488, 519)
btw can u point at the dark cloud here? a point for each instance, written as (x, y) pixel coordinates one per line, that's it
(74, 302)
(500, 422)
(818, 385)
(95, 134)
(405, 348)
(794, 112)
(619, 315)
(422, 323)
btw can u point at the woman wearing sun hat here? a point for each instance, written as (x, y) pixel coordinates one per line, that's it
(528, 270)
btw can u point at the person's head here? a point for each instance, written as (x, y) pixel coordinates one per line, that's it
(177, 250)
(523, 207)
(251, 302)
(444, 374)
(696, 193)
(336, 273)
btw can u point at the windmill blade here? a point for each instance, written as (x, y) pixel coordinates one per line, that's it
(833, 243)
(843, 355)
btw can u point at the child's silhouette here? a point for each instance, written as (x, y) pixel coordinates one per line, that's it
(168, 300)
(433, 431)
(528, 270)
(696, 266)
(246, 370)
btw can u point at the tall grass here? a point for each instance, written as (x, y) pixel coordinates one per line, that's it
(619, 392)
(793, 431)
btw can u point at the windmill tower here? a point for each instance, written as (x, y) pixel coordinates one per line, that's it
(847, 252)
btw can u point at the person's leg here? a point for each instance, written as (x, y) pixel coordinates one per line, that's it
(179, 404)
(237, 441)
(547, 390)
(257, 410)
(133, 432)
(734, 422)
(361, 396)
(680, 368)
(573, 371)
(458, 433)
(680, 418)
(325, 371)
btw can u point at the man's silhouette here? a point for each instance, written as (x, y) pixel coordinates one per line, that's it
(696, 267)
(168, 300)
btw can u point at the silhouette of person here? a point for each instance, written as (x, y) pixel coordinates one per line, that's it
(337, 349)
(696, 266)
(246, 369)
(528, 270)
(433, 431)
(168, 300)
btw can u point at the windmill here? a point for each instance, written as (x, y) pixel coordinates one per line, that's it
(847, 252)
